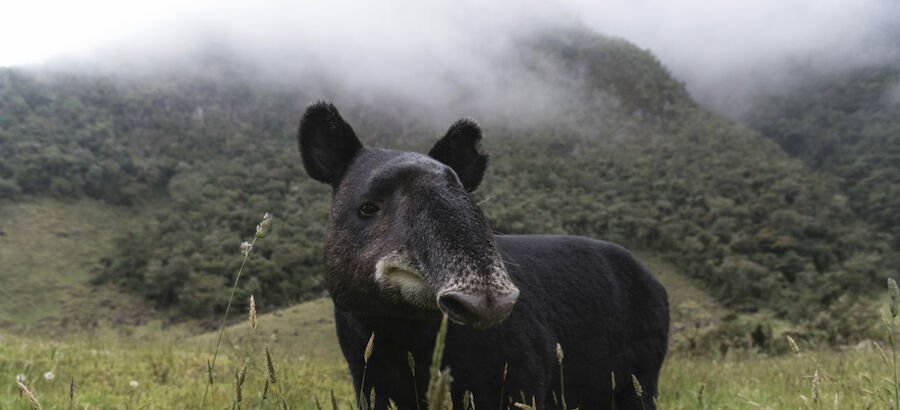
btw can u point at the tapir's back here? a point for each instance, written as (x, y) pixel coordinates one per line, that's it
(604, 308)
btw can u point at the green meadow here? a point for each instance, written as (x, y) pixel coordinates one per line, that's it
(154, 368)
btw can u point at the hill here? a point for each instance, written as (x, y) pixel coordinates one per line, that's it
(630, 158)
(49, 250)
(846, 125)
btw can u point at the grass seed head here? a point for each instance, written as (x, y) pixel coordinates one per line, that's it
(793, 344)
(439, 392)
(637, 386)
(881, 352)
(412, 362)
(468, 400)
(252, 314)
(34, 400)
(263, 228)
(815, 387)
(612, 378)
(559, 353)
(369, 347)
(895, 296)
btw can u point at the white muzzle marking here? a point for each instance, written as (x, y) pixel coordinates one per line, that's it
(395, 275)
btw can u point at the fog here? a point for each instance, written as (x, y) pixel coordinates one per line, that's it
(464, 55)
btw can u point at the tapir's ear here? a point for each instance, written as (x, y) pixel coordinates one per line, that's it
(460, 150)
(327, 143)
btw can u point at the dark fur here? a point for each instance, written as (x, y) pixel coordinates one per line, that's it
(592, 297)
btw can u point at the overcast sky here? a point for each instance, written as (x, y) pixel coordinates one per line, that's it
(724, 50)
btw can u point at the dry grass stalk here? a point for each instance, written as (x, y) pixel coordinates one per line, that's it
(316, 399)
(71, 393)
(562, 383)
(700, 394)
(270, 366)
(261, 231)
(503, 383)
(34, 400)
(361, 400)
(637, 386)
(881, 352)
(436, 389)
(521, 405)
(637, 389)
(815, 388)
(438, 354)
(412, 369)
(438, 396)
(468, 400)
(793, 344)
(252, 314)
(239, 377)
(369, 347)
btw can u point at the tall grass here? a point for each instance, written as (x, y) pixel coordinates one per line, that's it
(246, 247)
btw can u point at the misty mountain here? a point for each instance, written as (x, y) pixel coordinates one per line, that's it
(594, 138)
(846, 125)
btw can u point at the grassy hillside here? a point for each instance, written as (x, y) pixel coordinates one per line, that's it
(48, 250)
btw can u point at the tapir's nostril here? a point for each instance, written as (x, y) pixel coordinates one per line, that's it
(477, 309)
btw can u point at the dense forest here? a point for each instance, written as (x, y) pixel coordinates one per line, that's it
(634, 160)
(846, 125)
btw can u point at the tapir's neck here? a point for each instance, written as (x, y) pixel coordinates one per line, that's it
(397, 331)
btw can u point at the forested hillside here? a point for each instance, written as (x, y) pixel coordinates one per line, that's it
(846, 125)
(634, 160)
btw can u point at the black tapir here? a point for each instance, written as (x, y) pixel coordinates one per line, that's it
(406, 241)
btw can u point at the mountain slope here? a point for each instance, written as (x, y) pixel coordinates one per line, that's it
(846, 125)
(630, 159)
(49, 249)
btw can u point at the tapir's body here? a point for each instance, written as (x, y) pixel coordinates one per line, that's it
(592, 297)
(406, 242)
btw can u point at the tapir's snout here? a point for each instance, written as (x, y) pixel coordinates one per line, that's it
(480, 310)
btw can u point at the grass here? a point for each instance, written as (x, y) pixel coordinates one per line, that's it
(48, 248)
(170, 368)
(687, 302)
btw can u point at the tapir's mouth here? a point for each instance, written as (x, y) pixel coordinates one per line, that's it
(394, 274)
(479, 305)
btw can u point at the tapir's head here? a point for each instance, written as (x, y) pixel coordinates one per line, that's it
(404, 235)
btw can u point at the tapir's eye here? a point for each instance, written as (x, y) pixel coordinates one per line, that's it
(368, 209)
